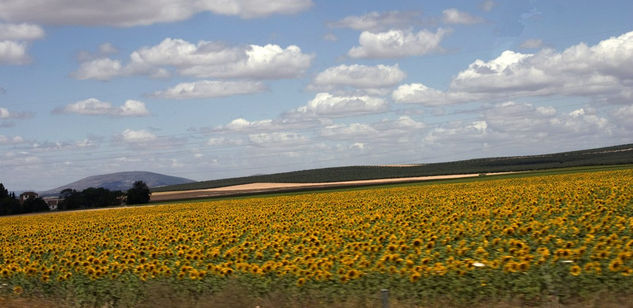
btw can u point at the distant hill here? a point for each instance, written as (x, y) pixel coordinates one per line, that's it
(621, 154)
(120, 181)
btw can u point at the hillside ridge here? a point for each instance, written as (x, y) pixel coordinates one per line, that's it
(612, 155)
(120, 181)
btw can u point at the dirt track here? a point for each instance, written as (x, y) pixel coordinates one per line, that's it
(280, 187)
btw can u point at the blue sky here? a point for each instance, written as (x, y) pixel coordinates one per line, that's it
(208, 89)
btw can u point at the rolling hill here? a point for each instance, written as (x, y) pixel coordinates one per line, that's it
(120, 181)
(621, 154)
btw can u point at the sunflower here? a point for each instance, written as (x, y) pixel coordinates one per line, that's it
(300, 282)
(615, 265)
(575, 270)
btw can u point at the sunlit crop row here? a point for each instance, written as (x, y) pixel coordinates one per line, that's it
(578, 224)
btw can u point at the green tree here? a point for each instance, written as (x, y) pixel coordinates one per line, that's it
(8, 203)
(32, 205)
(138, 194)
(72, 199)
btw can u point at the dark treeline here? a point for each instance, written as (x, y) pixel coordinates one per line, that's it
(89, 198)
(71, 199)
(10, 205)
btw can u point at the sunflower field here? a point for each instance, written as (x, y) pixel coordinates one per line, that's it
(532, 238)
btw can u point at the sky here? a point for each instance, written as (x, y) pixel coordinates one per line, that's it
(208, 89)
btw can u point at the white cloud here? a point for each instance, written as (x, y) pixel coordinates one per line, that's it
(217, 141)
(93, 106)
(100, 69)
(4, 113)
(137, 136)
(389, 131)
(241, 124)
(532, 124)
(138, 12)
(379, 21)
(603, 71)
(107, 48)
(327, 105)
(203, 60)
(11, 140)
(455, 16)
(20, 32)
(583, 121)
(397, 44)
(265, 62)
(418, 93)
(457, 132)
(406, 122)
(357, 146)
(210, 89)
(13, 53)
(623, 116)
(7, 114)
(86, 143)
(532, 44)
(487, 5)
(330, 37)
(132, 108)
(341, 131)
(358, 76)
(276, 138)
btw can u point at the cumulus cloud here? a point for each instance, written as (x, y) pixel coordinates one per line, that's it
(532, 44)
(277, 138)
(204, 59)
(11, 140)
(107, 48)
(512, 121)
(20, 32)
(327, 105)
(389, 131)
(99, 69)
(139, 12)
(210, 89)
(137, 136)
(403, 122)
(417, 93)
(455, 16)
(603, 70)
(623, 116)
(379, 21)
(241, 124)
(358, 76)
(342, 131)
(456, 132)
(397, 44)
(103, 51)
(215, 141)
(488, 5)
(13, 53)
(93, 106)
(330, 37)
(518, 128)
(4, 113)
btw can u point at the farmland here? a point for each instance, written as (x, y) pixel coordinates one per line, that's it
(532, 239)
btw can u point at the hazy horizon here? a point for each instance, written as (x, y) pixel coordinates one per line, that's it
(216, 89)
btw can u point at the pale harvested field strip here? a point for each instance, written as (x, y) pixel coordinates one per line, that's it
(276, 187)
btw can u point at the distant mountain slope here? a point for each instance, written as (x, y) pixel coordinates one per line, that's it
(621, 154)
(121, 181)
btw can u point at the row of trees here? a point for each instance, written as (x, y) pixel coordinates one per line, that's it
(73, 199)
(10, 205)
